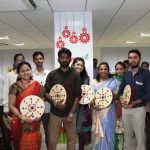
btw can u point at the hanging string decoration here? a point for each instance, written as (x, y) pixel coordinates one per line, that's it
(60, 43)
(66, 33)
(84, 36)
(73, 37)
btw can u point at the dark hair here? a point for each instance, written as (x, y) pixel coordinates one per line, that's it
(37, 53)
(16, 55)
(20, 65)
(95, 59)
(120, 63)
(145, 62)
(64, 50)
(135, 51)
(98, 75)
(83, 74)
(126, 62)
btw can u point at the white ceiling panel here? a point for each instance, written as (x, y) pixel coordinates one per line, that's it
(68, 5)
(124, 20)
(103, 12)
(114, 22)
(43, 20)
(12, 5)
(18, 23)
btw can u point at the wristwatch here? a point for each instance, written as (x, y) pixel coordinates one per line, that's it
(70, 115)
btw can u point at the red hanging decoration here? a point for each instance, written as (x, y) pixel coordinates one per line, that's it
(84, 36)
(66, 32)
(73, 38)
(60, 43)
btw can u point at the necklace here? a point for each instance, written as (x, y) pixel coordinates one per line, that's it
(25, 85)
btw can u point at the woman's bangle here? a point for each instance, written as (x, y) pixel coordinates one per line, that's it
(22, 119)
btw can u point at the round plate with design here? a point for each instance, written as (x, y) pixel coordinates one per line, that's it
(32, 106)
(126, 94)
(87, 94)
(103, 97)
(58, 93)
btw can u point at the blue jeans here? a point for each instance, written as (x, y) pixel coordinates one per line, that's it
(45, 121)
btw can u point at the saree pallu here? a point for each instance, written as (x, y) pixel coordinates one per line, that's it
(119, 109)
(119, 138)
(107, 119)
(26, 136)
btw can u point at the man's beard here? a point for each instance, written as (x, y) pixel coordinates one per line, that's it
(64, 64)
(135, 66)
(39, 64)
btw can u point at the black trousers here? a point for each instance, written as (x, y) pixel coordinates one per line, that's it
(45, 121)
(6, 135)
(147, 131)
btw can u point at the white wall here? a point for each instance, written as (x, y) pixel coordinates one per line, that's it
(6, 59)
(110, 55)
(97, 53)
(113, 55)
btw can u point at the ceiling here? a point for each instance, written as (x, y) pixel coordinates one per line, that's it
(114, 22)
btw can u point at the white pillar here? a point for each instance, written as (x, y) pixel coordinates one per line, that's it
(75, 21)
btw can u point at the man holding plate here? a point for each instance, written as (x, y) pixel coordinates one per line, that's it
(133, 113)
(63, 90)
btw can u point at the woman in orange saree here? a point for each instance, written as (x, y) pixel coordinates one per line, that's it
(26, 133)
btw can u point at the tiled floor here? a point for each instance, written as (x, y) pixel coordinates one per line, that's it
(59, 146)
(63, 146)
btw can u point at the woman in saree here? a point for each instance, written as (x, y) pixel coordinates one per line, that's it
(84, 118)
(119, 72)
(26, 133)
(104, 120)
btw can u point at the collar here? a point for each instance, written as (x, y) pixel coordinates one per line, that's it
(65, 71)
(138, 72)
(38, 73)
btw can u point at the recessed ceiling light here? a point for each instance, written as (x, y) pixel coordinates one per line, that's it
(4, 38)
(18, 44)
(130, 42)
(145, 34)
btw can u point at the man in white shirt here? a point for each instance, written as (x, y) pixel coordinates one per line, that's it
(10, 78)
(40, 75)
(5, 132)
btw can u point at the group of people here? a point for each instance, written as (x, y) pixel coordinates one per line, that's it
(91, 124)
(24, 132)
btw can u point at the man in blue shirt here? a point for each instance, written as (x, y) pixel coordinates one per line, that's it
(133, 115)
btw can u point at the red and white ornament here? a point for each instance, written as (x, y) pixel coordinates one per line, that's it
(60, 43)
(66, 33)
(73, 38)
(84, 36)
